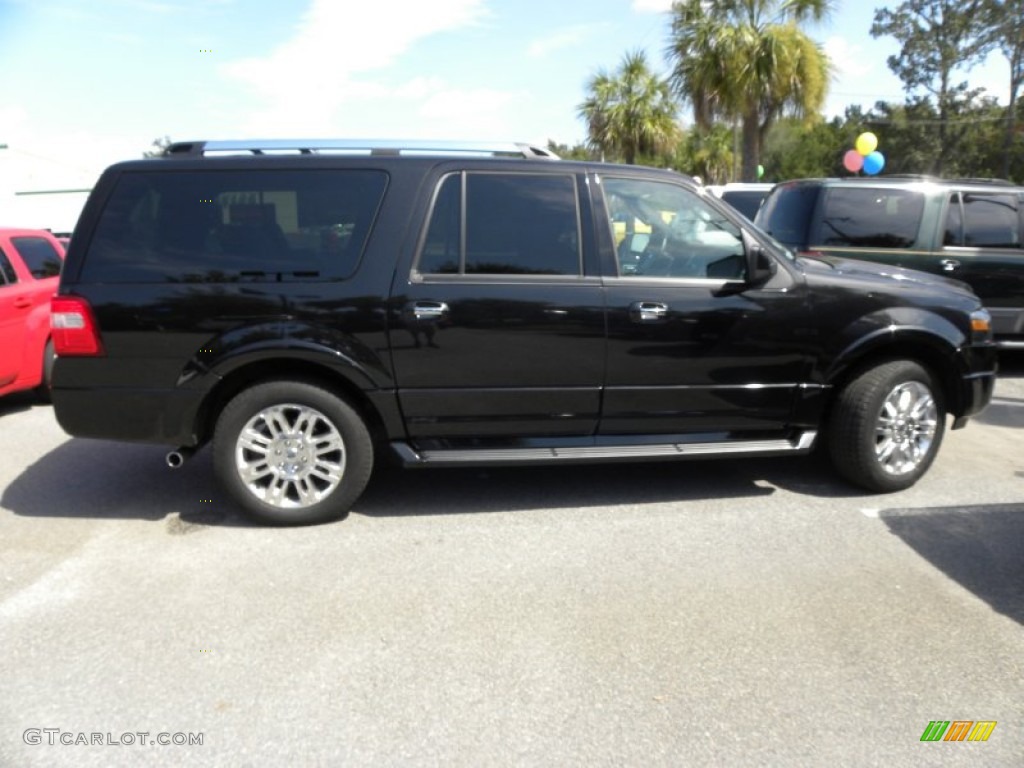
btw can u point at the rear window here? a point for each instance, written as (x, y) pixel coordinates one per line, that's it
(870, 218)
(40, 256)
(229, 226)
(786, 213)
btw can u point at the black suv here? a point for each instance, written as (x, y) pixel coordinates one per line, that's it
(312, 312)
(968, 229)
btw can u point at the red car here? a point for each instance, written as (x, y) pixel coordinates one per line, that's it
(30, 263)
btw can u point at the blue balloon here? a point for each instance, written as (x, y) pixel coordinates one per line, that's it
(874, 163)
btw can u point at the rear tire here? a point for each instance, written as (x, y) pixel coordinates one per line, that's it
(292, 453)
(886, 426)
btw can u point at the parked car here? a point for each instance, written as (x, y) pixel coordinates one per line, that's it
(969, 229)
(311, 314)
(30, 264)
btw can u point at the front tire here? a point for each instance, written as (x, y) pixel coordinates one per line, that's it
(292, 453)
(886, 426)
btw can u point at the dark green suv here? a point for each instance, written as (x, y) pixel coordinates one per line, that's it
(968, 229)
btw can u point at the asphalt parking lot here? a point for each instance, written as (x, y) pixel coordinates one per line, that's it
(735, 613)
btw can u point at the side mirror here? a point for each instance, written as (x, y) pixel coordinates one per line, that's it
(761, 267)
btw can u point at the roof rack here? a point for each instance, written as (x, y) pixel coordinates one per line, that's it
(932, 179)
(376, 147)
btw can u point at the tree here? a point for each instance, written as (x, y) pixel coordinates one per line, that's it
(937, 37)
(706, 153)
(1006, 25)
(793, 150)
(630, 112)
(575, 152)
(748, 60)
(161, 147)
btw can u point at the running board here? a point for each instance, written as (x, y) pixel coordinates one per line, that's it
(802, 443)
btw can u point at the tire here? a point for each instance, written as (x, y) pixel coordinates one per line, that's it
(886, 426)
(321, 447)
(43, 390)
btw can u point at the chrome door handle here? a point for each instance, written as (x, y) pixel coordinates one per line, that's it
(427, 310)
(949, 265)
(647, 311)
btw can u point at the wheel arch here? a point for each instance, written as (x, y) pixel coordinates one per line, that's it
(289, 369)
(933, 352)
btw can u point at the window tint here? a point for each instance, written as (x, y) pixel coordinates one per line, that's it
(217, 226)
(39, 255)
(991, 221)
(665, 230)
(879, 218)
(7, 274)
(786, 214)
(518, 224)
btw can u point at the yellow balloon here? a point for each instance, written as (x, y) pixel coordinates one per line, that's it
(866, 143)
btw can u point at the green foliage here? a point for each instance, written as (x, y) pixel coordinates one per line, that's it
(631, 112)
(795, 149)
(575, 152)
(707, 153)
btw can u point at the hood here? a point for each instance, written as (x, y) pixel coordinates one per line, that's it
(882, 275)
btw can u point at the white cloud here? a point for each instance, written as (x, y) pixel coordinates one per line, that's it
(849, 60)
(466, 108)
(652, 6)
(563, 38)
(305, 80)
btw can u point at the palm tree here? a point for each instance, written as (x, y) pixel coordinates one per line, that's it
(748, 61)
(631, 111)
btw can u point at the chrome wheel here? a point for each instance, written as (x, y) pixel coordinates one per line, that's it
(290, 456)
(906, 427)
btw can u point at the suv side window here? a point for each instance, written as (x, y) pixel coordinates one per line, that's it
(39, 255)
(504, 223)
(990, 220)
(226, 226)
(871, 217)
(665, 230)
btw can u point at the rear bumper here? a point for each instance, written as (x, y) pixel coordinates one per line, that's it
(161, 416)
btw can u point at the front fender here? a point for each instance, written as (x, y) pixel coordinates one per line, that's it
(904, 327)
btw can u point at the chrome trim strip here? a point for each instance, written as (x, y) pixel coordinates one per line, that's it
(800, 444)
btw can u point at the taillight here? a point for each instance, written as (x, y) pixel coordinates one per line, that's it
(810, 254)
(74, 328)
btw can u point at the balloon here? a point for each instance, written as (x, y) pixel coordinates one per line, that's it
(866, 143)
(874, 163)
(853, 161)
(760, 171)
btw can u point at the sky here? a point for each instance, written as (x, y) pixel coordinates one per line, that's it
(84, 83)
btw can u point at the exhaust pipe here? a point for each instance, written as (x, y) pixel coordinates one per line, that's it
(178, 457)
